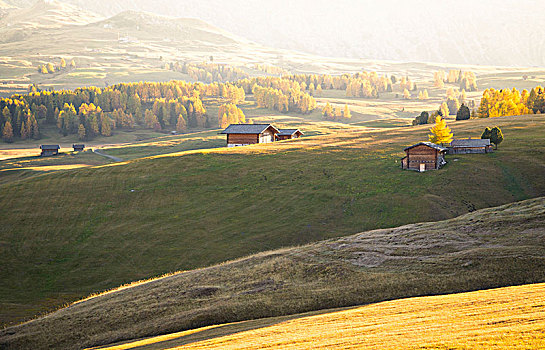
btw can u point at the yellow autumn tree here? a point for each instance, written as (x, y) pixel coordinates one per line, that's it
(440, 133)
(346, 112)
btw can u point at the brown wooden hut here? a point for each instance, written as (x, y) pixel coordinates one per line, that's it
(287, 134)
(467, 146)
(424, 156)
(249, 134)
(78, 147)
(50, 150)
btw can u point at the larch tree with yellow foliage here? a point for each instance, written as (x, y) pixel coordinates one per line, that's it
(440, 133)
(346, 112)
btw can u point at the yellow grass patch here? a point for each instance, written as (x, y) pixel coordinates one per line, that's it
(504, 318)
(50, 167)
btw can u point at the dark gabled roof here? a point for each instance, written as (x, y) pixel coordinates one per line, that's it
(50, 147)
(470, 143)
(288, 132)
(247, 128)
(78, 145)
(429, 144)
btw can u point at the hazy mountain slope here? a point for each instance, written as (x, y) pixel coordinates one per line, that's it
(468, 32)
(48, 14)
(484, 249)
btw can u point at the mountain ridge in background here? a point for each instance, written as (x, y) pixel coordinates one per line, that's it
(459, 32)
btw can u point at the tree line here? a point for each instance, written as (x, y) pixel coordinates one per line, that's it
(466, 80)
(92, 111)
(279, 94)
(505, 102)
(50, 68)
(336, 113)
(208, 72)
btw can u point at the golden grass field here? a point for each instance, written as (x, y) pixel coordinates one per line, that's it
(504, 318)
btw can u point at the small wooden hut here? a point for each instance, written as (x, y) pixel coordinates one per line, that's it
(287, 134)
(78, 147)
(467, 146)
(424, 156)
(249, 134)
(50, 150)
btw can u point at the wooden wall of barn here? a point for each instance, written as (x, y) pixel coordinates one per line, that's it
(242, 139)
(422, 155)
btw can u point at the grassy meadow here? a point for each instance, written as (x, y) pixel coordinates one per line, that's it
(484, 249)
(74, 232)
(475, 320)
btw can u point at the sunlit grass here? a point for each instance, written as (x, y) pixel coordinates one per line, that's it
(189, 209)
(51, 167)
(505, 318)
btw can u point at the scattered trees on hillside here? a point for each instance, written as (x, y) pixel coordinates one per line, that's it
(266, 68)
(208, 72)
(444, 110)
(282, 95)
(466, 80)
(50, 68)
(421, 119)
(463, 113)
(495, 135)
(336, 114)
(440, 133)
(423, 95)
(228, 114)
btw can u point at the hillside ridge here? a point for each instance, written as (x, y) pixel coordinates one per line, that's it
(479, 250)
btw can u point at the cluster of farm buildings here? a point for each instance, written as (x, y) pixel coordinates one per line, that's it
(237, 135)
(422, 156)
(53, 150)
(249, 134)
(425, 156)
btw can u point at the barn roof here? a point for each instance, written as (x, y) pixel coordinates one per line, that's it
(429, 144)
(288, 132)
(50, 147)
(248, 128)
(470, 143)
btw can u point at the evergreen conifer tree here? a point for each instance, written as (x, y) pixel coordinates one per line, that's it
(496, 136)
(463, 113)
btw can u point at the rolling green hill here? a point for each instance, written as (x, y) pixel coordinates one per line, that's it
(71, 233)
(484, 249)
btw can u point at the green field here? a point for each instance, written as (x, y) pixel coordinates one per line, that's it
(484, 249)
(74, 232)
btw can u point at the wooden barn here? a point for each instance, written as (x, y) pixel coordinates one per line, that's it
(50, 150)
(78, 147)
(467, 146)
(287, 134)
(249, 134)
(424, 156)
